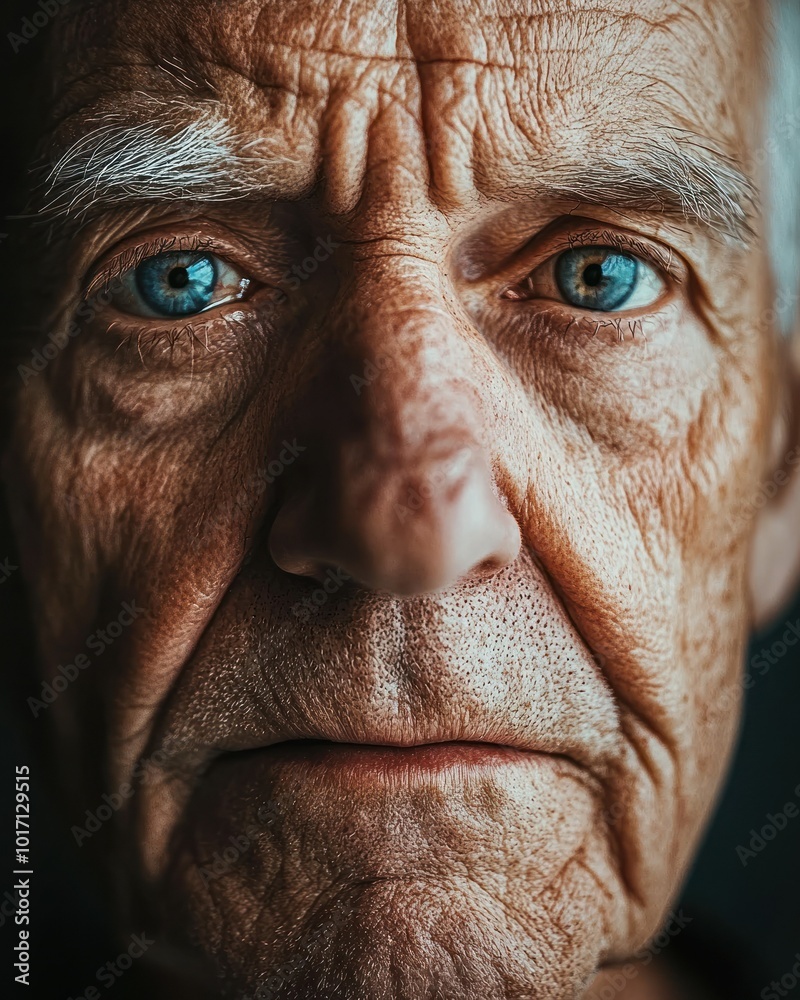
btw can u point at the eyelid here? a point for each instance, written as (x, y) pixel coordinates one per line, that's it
(131, 256)
(262, 256)
(564, 235)
(659, 257)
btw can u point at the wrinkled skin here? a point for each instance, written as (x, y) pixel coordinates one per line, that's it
(569, 583)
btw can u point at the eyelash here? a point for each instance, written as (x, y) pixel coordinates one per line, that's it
(146, 340)
(149, 339)
(133, 256)
(660, 257)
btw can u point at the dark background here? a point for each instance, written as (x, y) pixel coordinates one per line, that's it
(745, 918)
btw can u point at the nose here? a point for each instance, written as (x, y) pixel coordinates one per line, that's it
(400, 530)
(396, 489)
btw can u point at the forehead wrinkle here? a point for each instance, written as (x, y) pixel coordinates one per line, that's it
(672, 171)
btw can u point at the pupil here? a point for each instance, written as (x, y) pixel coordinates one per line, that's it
(593, 274)
(178, 277)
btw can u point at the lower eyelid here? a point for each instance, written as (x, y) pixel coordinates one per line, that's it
(155, 323)
(561, 326)
(196, 340)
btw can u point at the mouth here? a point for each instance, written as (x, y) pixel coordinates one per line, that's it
(365, 837)
(385, 704)
(317, 776)
(308, 816)
(320, 758)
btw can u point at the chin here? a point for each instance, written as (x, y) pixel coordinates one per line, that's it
(364, 873)
(397, 938)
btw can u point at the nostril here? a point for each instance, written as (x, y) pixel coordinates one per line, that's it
(330, 577)
(488, 568)
(356, 529)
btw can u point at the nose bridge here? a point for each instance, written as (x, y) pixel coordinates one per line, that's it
(413, 379)
(398, 490)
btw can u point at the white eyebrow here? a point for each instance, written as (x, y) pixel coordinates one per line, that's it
(670, 171)
(119, 162)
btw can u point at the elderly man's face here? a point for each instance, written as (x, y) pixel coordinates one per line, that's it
(437, 521)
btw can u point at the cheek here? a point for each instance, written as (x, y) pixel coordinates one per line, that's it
(644, 447)
(618, 458)
(115, 468)
(634, 384)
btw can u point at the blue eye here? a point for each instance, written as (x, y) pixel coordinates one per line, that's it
(600, 278)
(179, 283)
(596, 277)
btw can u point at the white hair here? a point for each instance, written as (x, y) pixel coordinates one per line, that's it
(782, 151)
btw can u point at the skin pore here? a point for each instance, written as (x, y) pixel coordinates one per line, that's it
(523, 515)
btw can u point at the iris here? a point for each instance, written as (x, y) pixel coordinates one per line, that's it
(596, 277)
(177, 283)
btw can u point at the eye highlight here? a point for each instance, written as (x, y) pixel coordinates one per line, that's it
(600, 278)
(178, 283)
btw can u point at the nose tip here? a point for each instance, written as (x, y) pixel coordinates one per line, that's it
(406, 534)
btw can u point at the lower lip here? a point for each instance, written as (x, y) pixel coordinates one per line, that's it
(428, 758)
(296, 790)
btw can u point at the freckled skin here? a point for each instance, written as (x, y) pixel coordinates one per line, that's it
(536, 519)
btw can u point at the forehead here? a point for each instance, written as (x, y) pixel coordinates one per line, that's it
(479, 91)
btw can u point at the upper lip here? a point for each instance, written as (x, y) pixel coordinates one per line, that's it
(590, 768)
(538, 695)
(592, 757)
(419, 754)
